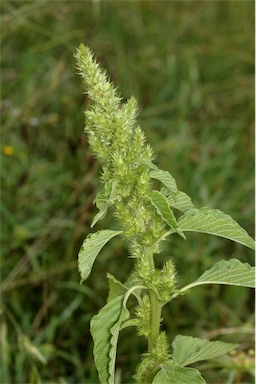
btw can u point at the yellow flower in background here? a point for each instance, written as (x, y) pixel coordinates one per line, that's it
(8, 150)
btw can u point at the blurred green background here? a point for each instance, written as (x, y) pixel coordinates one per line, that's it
(190, 64)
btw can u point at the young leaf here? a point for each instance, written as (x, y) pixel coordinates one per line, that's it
(130, 323)
(163, 209)
(146, 162)
(116, 288)
(105, 328)
(179, 200)
(90, 249)
(101, 214)
(171, 374)
(188, 349)
(231, 272)
(103, 200)
(214, 222)
(165, 178)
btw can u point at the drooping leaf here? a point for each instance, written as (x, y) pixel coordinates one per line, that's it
(179, 200)
(214, 222)
(163, 209)
(100, 199)
(124, 315)
(165, 178)
(105, 328)
(132, 281)
(90, 249)
(130, 323)
(171, 374)
(231, 272)
(116, 288)
(103, 200)
(188, 349)
(100, 215)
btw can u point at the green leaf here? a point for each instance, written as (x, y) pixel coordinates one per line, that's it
(231, 272)
(102, 203)
(105, 328)
(179, 200)
(116, 288)
(175, 198)
(171, 374)
(165, 178)
(215, 222)
(104, 200)
(133, 280)
(188, 349)
(130, 323)
(90, 249)
(145, 162)
(163, 209)
(124, 315)
(101, 214)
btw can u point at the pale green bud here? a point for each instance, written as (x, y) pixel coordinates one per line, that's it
(143, 314)
(160, 350)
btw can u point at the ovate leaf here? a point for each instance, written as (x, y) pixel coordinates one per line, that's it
(165, 178)
(163, 209)
(179, 200)
(105, 328)
(171, 374)
(90, 249)
(188, 350)
(215, 222)
(231, 272)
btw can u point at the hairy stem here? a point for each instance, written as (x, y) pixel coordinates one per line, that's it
(155, 320)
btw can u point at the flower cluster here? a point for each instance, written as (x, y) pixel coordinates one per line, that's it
(119, 143)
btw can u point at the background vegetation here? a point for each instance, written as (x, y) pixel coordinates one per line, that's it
(191, 66)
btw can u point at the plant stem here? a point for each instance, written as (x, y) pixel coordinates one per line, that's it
(156, 309)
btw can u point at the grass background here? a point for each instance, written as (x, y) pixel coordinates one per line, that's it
(190, 64)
